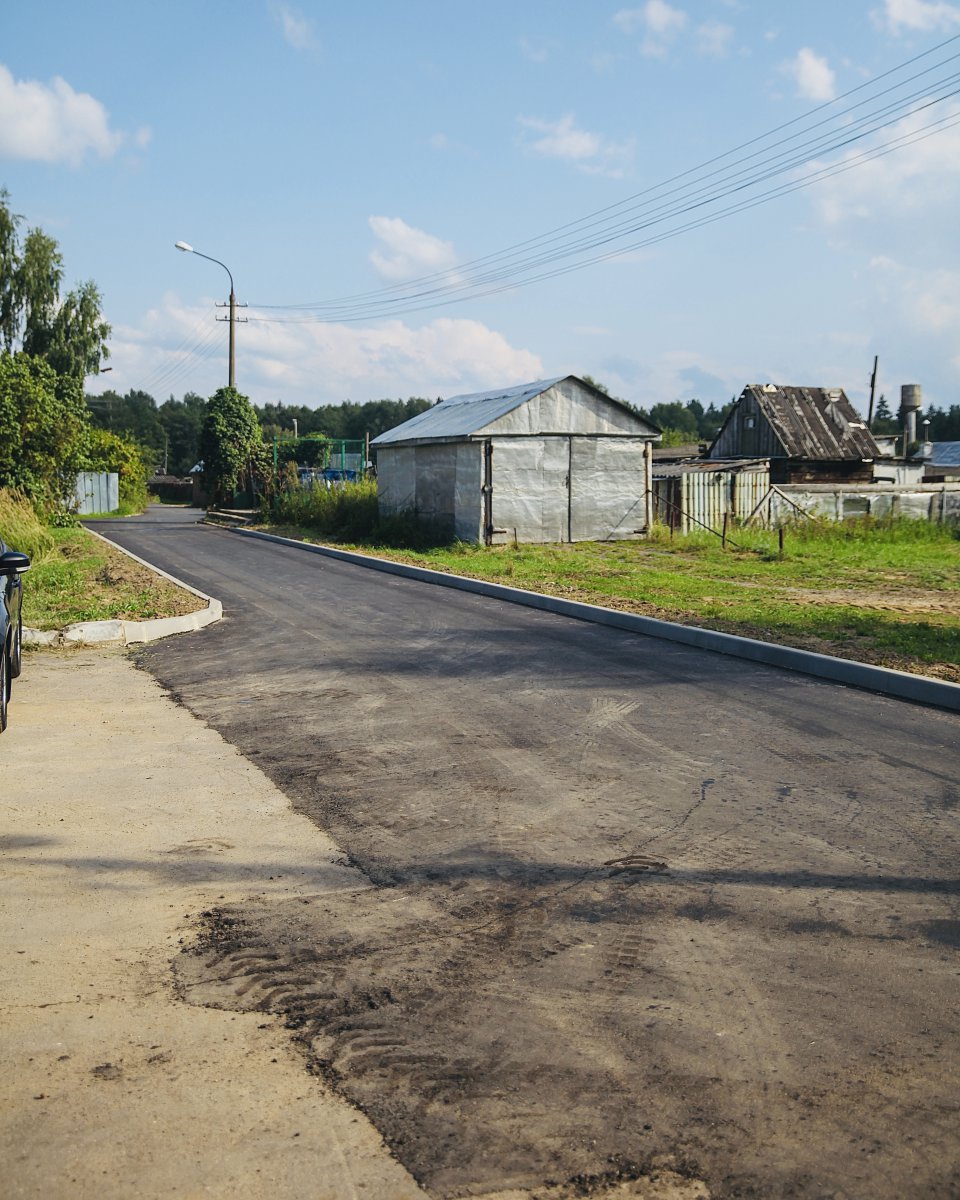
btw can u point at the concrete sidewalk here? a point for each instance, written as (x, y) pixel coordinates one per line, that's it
(125, 817)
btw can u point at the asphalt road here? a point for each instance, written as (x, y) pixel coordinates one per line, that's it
(636, 904)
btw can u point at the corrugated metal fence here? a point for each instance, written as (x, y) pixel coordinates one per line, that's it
(97, 492)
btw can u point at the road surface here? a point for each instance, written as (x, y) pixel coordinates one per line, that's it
(635, 904)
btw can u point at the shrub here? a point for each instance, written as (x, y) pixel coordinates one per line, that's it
(348, 512)
(107, 451)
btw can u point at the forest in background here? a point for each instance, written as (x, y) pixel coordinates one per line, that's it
(170, 432)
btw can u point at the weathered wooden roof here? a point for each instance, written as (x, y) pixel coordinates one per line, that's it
(813, 423)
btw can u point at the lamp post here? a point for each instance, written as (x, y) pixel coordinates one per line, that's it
(188, 249)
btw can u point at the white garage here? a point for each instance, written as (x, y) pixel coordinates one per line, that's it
(552, 461)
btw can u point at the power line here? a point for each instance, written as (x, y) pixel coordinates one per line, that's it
(190, 350)
(524, 262)
(699, 223)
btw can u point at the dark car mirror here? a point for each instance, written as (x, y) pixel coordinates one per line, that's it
(13, 562)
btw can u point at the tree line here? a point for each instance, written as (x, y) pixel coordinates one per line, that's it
(171, 432)
(944, 422)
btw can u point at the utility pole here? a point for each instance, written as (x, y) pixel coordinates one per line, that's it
(232, 304)
(232, 372)
(873, 387)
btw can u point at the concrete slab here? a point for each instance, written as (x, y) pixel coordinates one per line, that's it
(124, 818)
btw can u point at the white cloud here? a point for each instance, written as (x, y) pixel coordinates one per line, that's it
(661, 23)
(920, 176)
(406, 252)
(51, 122)
(589, 152)
(812, 75)
(561, 139)
(297, 29)
(312, 364)
(662, 19)
(920, 16)
(713, 39)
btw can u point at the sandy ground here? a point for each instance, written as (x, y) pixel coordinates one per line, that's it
(124, 819)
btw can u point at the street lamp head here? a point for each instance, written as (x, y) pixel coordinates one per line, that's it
(184, 246)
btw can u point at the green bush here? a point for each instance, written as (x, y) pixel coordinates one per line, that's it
(348, 512)
(108, 451)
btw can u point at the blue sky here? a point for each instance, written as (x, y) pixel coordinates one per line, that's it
(328, 151)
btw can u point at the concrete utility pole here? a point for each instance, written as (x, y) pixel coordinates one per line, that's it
(232, 368)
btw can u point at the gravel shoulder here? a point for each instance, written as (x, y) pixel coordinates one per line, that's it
(127, 820)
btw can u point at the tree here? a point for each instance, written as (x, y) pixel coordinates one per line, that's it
(182, 421)
(68, 331)
(231, 445)
(79, 333)
(43, 430)
(107, 451)
(676, 419)
(38, 283)
(348, 420)
(133, 415)
(9, 267)
(883, 419)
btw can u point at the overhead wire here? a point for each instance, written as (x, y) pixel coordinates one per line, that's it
(655, 215)
(523, 263)
(191, 350)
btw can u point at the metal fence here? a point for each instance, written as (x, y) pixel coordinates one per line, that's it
(97, 492)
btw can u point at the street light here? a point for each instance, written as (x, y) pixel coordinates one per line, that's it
(188, 249)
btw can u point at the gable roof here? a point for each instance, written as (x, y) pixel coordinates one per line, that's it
(466, 415)
(809, 422)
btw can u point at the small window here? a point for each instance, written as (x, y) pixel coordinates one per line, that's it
(749, 422)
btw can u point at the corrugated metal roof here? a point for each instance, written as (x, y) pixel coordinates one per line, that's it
(461, 416)
(815, 423)
(705, 466)
(944, 454)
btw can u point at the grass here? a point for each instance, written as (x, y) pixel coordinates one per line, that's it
(882, 592)
(76, 577)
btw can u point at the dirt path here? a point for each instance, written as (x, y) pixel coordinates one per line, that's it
(125, 818)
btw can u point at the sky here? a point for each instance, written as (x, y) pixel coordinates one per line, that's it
(325, 152)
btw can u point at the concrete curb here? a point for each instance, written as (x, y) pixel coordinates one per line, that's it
(901, 684)
(127, 633)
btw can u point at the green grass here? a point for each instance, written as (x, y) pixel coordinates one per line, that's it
(883, 592)
(74, 576)
(82, 579)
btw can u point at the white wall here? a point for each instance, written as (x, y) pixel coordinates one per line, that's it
(558, 489)
(608, 485)
(440, 483)
(530, 498)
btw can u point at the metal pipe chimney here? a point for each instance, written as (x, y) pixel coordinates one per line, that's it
(911, 402)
